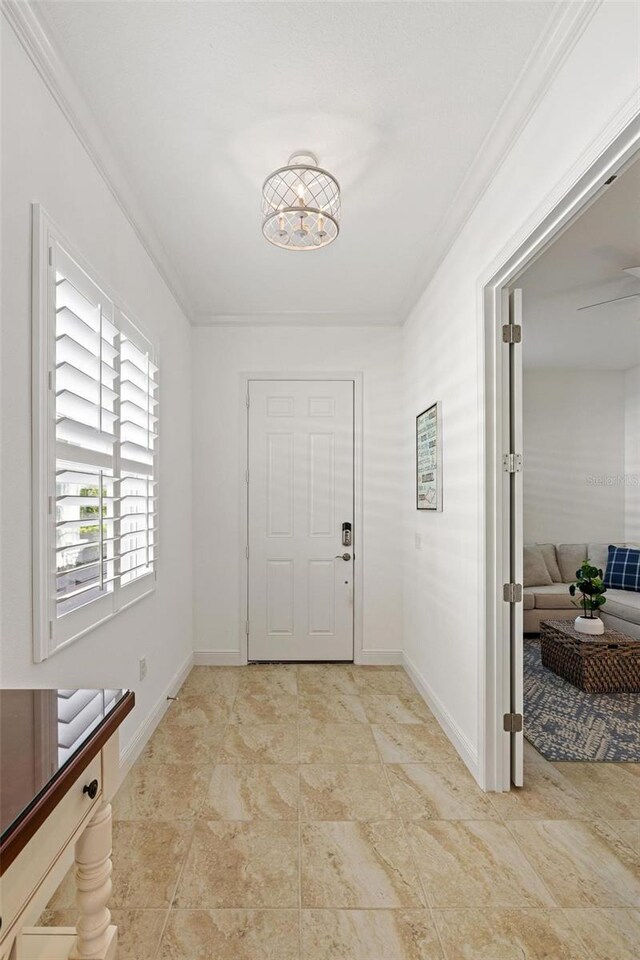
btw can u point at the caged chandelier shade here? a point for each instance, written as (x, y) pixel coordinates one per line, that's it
(301, 205)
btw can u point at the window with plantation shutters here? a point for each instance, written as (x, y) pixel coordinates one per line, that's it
(96, 448)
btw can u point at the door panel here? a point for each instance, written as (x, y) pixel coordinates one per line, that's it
(321, 484)
(280, 485)
(300, 492)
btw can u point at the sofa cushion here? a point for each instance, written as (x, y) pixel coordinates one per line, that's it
(623, 569)
(551, 560)
(528, 598)
(554, 597)
(570, 558)
(535, 569)
(623, 604)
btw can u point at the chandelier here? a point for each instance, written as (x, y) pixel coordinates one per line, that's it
(301, 205)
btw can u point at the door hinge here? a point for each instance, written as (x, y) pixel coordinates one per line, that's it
(246, 551)
(512, 462)
(512, 722)
(512, 333)
(246, 476)
(512, 592)
(246, 627)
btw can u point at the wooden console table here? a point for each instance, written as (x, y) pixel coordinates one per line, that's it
(60, 761)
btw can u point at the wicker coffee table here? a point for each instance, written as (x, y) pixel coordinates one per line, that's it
(609, 663)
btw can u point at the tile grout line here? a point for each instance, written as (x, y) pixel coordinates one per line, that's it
(589, 954)
(157, 954)
(580, 796)
(175, 890)
(592, 823)
(625, 843)
(407, 841)
(528, 861)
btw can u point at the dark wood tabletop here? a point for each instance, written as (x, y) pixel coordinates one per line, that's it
(47, 738)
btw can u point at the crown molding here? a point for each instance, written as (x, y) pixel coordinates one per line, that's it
(302, 319)
(563, 30)
(30, 27)
(566, 25)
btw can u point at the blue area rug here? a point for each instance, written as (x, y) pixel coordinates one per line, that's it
(564, 723)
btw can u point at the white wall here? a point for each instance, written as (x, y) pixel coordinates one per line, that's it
(443, 351)
(220, 355)
(574, 455)
(44, 161)
(632, 456)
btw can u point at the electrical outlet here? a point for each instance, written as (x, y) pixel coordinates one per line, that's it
(418, 541)
(143, 667)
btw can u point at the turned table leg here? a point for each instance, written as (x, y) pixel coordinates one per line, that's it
(96, 936)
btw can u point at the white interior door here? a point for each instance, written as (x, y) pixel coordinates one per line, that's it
(300, 492)
(516, 512)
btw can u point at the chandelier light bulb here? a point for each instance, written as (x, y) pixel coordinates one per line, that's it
(301, 205)
(321, 233)
(283, 233)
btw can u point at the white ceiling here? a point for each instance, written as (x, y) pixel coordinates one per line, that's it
(201, 100)
(586, 266)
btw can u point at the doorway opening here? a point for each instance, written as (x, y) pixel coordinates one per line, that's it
(508, 612)
(581, 486)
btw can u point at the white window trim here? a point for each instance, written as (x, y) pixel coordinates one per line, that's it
(45, 236)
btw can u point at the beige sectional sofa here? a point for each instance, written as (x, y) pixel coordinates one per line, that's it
(549, 599)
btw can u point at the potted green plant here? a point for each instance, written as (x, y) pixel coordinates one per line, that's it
(590, 584)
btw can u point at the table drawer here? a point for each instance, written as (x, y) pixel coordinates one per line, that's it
(21, 881)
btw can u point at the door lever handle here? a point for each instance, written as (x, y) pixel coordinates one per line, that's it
(343, 556)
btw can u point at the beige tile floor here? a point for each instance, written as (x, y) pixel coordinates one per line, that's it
(319, 813)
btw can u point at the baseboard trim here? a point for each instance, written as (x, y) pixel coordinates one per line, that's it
(217, 658)
(233, 658)
(459, 740)
(382, 658)
(136, 745)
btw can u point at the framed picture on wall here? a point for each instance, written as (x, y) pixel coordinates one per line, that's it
(429, 459)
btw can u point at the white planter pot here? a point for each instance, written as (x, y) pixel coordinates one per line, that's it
(592, 626)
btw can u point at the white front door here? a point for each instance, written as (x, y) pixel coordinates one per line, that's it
(300, 493)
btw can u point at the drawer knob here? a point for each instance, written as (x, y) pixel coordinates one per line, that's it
(91, 789)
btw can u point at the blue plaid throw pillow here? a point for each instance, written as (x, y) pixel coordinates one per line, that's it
(623, 569)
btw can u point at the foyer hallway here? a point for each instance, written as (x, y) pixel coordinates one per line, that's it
(318, 812)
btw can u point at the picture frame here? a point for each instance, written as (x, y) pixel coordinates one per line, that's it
(429, 458)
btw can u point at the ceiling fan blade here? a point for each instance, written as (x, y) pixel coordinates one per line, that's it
(630, 296)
